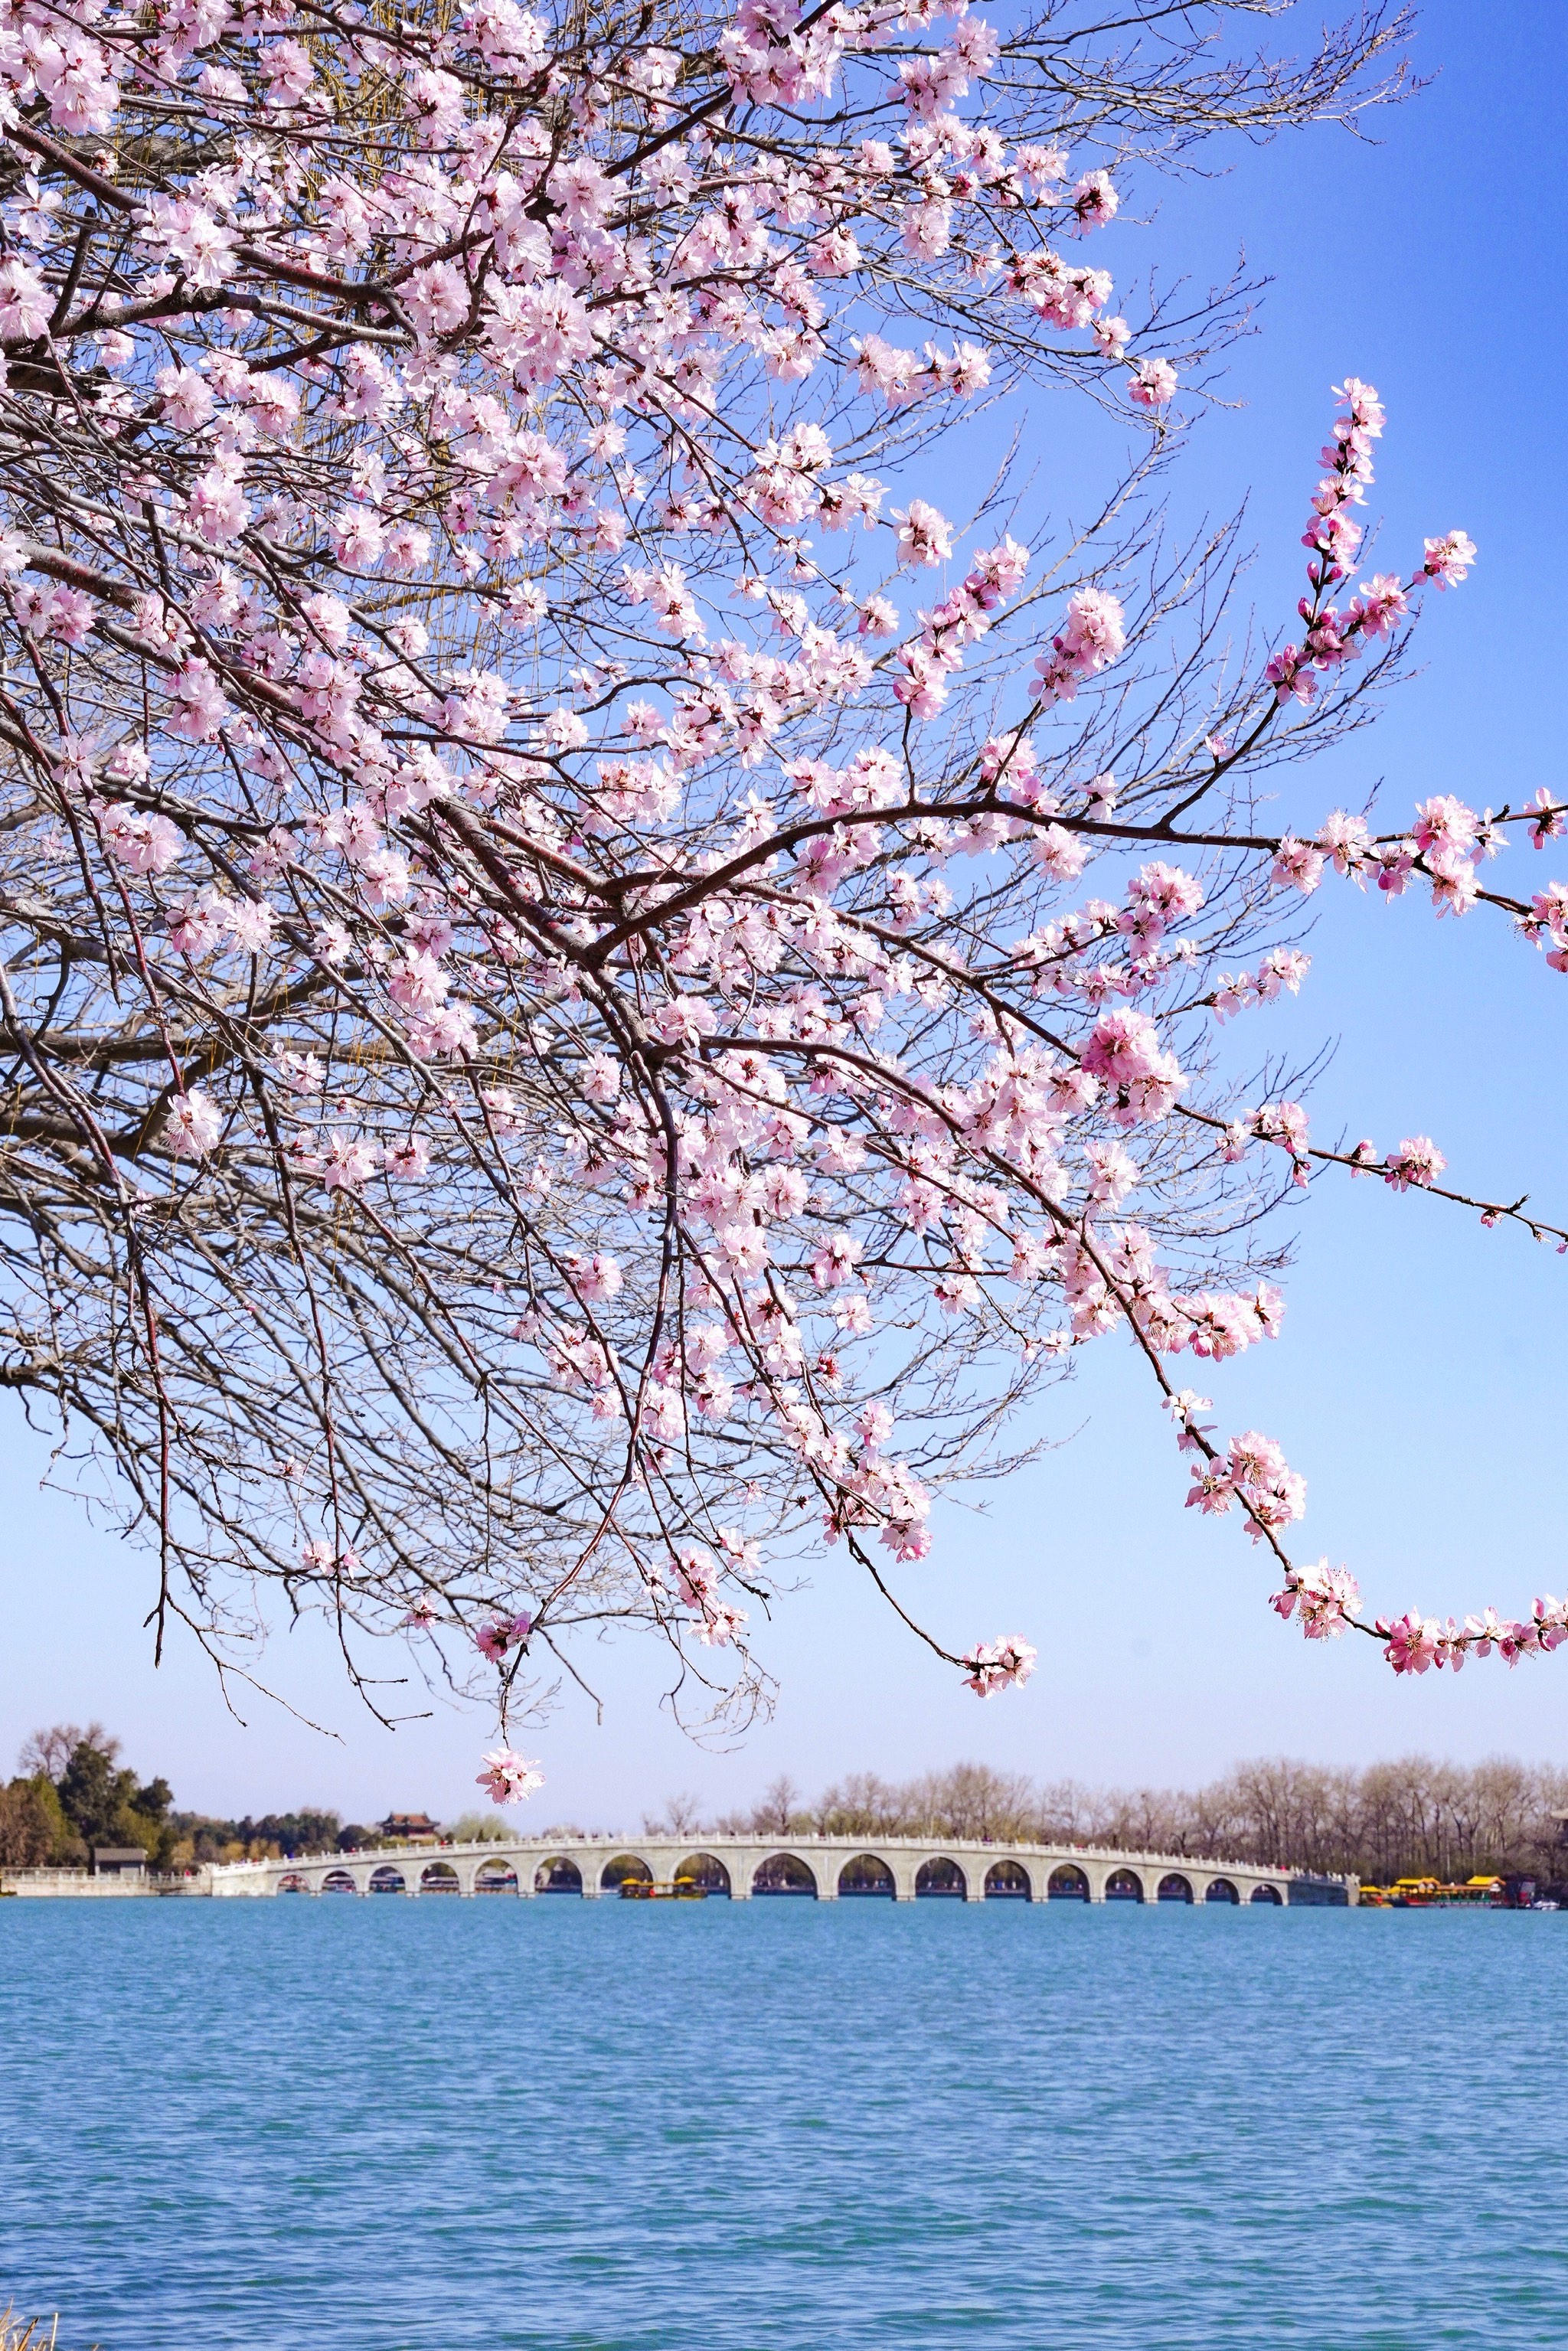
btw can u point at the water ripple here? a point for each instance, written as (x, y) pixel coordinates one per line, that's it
(298, 2125)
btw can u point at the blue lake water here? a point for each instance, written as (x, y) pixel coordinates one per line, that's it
(607, 2127)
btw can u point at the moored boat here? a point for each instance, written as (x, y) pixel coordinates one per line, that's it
(1477, 1893)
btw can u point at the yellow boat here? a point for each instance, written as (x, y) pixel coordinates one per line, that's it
(680, 1889)
(1432, 1894)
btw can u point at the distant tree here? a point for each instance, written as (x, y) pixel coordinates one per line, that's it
(48, 1751)
(478, 1828)
(1409, 1818)
(153, 1800)
(780, 1811)
(682, 1816)
(89, 1799)
(290, 1832)
(66, 1850)
(863, 1805)
(26, 1831)
(93, 1791)
(973, 1801)
(354, 1838)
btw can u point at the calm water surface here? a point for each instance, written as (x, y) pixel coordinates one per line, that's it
(464, 2125)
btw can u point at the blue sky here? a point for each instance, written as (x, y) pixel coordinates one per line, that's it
(1419, 1386)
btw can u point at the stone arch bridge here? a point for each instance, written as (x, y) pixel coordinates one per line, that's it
(827, 1868)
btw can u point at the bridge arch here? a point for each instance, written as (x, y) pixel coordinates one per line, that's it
(557, 1875)
(622, 1868)
(785, 1873)
(1067, 1883)
(439, 1877)
(866, 1873)
(293, 1881)
(388, 1879)
(339, 1881)
(495, 1877)
(704, 1869)
(1008, 1881)
(1174, 1888)
(1220, 1889)
(1265, 1893)
(1124, 1886)
(940, 1879)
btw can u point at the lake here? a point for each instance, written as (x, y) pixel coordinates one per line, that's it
(296, 2125)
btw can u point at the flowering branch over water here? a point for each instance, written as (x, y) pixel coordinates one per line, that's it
(569, 1024)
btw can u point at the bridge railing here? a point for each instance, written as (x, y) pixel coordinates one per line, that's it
(406, 1854)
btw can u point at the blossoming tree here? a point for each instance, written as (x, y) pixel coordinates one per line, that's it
(595, 982)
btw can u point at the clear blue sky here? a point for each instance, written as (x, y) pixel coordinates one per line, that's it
(1419, 1386)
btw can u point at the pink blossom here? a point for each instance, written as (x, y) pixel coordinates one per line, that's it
(1444, 823)
(1298, 867)
(408, 1159)
(1549, 824)
(188, 399)
(1412, 1643)
(1326, 1598)
(142, 839)
(694, 1572)
(496, 1640)
(1448, 560)
(1211, 1490)
(1126, 1045)
(508, 1777)
(599, 1279)
(1096, 203)
(347, 1164)
(1095, 635)
(999, 1665)
(359, 538)
(601, 1079)
(1378, 606)
(1290, 672)
(25, 301)
(218, 506)
(1417, 1161)
(194, 1124)
(197, 707)
(288, 71)
(1153, 384)
(720, 1623)
(1345, 841)
(924, 534)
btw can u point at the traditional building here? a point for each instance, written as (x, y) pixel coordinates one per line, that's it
(410, 1828)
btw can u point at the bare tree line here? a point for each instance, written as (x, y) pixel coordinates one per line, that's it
(1413, 1816)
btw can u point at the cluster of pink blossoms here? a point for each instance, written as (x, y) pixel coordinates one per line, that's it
(1415, 1642)
(1322, 1598)
(999, 1665)
(1254, 1472)
(962, 617)
(1333, 537)
(696, 1577)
